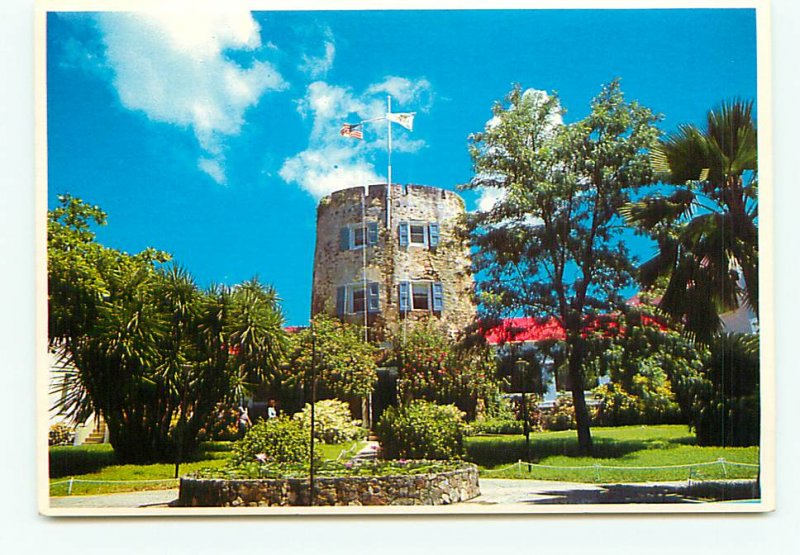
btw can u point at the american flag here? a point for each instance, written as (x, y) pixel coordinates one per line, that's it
(352, 130)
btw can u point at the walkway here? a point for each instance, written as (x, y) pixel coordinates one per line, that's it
(493, 492)
(129, 500)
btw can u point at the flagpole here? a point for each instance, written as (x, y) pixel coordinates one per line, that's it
(389, 172)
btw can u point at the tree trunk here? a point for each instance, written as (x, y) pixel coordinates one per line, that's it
(578, 398)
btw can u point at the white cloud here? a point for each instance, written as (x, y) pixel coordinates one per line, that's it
(317, 66)
(333, 162)
(489, 196)
(405, 91)
(172, 67)
(213, 167)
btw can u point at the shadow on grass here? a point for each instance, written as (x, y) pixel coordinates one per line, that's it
(497, 450)
(86, 459)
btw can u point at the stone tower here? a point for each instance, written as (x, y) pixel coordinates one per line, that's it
(388, 270)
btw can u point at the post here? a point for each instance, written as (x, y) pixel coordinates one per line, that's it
(313, 415)
(522, 367)
(180, 430)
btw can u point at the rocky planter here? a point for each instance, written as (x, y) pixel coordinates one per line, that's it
(418, 489)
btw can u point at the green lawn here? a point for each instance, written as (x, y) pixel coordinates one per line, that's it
(95, 463)
(637, 447)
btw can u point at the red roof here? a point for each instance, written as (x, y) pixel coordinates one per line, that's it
(519, 330)
(525, 329)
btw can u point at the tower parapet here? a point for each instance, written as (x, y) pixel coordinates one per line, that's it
(416, 268)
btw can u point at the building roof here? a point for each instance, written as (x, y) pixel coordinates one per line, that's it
(520, 330)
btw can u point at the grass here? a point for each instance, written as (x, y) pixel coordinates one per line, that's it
(637, 447)
(96, 463)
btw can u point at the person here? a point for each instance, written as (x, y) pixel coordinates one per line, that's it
(244, 421)
(272, 412)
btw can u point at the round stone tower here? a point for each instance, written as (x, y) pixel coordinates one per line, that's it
(387, 268)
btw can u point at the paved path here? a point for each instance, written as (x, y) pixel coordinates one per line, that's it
(493, 492)
(540, 492)
(129, 500)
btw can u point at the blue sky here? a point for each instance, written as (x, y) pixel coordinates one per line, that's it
(213, 136)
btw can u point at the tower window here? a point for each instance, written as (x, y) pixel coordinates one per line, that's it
(355, 299)
(359, 299)
(417, 234)
(421, 296)
(355, 236)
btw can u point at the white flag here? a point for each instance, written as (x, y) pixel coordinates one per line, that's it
(404, 119)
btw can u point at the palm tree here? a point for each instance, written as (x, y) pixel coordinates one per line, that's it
(707, 228)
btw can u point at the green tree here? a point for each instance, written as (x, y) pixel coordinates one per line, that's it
(653, 371)
(345, 364)
(706, 223)
(145, 348)
(550, 246)
(726, 409)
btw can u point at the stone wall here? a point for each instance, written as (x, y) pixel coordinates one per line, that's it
(423, 489)
(387, 263)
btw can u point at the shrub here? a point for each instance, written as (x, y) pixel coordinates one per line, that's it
(278, 439)
(619, 407)
(82, 459)
(496, 426)
(422, 430)
(60, 434)
(332, 421)
(562, 415)
(222, 425)
(726, 408)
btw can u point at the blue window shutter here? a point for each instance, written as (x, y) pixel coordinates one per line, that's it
(341, 293)
(438, 296)
(402, 288)
(403, 234)
(372, 233)
(433, 234)
(344, 239)
(374, 304)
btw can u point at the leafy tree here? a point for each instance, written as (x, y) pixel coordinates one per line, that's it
(145, 348)
(726, 408)
(706, 222)
(653, 372)
(433, 367)
(550, 246)
(345, 364)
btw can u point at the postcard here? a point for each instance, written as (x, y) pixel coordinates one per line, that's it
(343, 259)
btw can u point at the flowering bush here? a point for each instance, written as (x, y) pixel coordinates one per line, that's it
(279, 439)
(422, 430)
(60, 434)
(433, 367)
(332, 421)
(222, 425)
(562, 415)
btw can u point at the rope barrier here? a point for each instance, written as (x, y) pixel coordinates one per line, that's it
(596, 467)
(112, 481)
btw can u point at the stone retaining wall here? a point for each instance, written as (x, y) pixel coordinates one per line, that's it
(421, 489)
